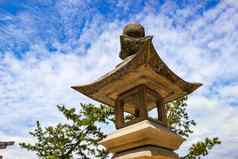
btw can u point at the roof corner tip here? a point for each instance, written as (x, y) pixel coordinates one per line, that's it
(199, 84)
(73, 87)
(196, 85)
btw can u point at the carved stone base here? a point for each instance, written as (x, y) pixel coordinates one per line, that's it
(140, 135)
(147, 152)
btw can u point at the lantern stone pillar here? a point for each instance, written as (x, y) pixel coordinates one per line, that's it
(119, 113)
(161, 110)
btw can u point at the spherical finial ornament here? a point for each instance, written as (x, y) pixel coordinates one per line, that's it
(134, 30)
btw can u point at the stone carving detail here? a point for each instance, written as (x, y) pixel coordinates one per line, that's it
(131, 40)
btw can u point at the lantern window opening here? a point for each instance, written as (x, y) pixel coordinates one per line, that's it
(138, 100)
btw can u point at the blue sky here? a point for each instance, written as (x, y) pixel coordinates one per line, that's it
(46, 46)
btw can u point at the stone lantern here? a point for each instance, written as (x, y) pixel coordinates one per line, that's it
(141, 82)
(4, 145)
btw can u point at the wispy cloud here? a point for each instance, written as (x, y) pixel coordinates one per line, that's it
(74, 43)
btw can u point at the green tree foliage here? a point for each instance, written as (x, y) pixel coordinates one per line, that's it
(178, 119)
(180, 123)
(201, 148)
(80, 135)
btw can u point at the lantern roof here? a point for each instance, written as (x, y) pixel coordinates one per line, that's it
(3, 145)
(145, 67)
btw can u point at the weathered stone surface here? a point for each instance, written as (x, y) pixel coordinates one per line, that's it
(131, 40)
(141, 82)
(143, 68)
(147, 152)
(134, 30)
(141, 134)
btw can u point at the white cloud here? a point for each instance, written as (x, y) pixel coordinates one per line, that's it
(34, 86)
(15, 152)
(229, 91)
